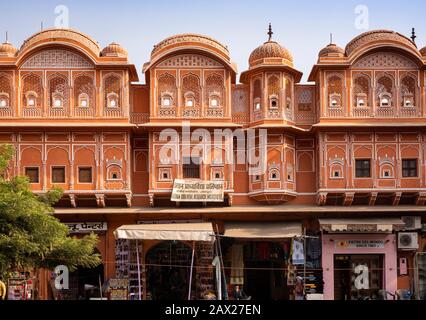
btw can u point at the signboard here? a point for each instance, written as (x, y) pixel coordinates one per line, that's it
(197, 191)
(119, 289)
(357, 244)
(87, 227)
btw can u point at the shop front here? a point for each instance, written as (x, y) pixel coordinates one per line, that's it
(166, 261)
(262, 260)
(359, 258)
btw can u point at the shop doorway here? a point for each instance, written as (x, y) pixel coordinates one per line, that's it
(358, 277)
(85, 283)
(264, 275)
(168, 268)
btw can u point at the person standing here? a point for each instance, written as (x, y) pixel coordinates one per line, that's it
(2, 290)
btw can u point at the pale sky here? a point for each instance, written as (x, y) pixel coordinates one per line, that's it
(301, 26)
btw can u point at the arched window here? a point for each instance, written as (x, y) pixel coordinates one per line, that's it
(84, 91)
(214, 90)
(257, 95)
(384, 91)
(335, 91)
(191, 87)
(361, 91)
(190, 99)
(408, 92)
(166, 90)
(58, 91)
(273, 91)
(114, 172)
(32, 89)
(274, 174)
(112, 91)
(5, 91)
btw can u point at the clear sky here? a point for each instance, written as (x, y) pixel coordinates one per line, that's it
(302, 26)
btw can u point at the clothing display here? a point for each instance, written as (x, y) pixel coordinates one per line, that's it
(298, 254)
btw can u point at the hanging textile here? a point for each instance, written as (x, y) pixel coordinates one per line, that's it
(216, 264)
(237, 264)
(298, 255)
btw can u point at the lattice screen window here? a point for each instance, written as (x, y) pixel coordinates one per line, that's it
(273, 92)
(112, 91)
(408, 92)
(335, 91)
(214, 90)
(191, 85)
(5, 91)
(32, 91)
(288, 93)
(58, 91)
(361, 91)
(84, 91)
(257, 94)
(384, 91)
(167, 90)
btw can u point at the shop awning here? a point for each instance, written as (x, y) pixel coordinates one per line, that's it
(361, 225)
(169, 231)
(263, 230)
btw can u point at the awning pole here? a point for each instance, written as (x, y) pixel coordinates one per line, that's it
(139, 269)
(225, 289)
(192, 266)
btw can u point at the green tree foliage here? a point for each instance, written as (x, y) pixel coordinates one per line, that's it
(30, 236)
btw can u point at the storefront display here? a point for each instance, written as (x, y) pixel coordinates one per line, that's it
(420, 275)
(20, 287)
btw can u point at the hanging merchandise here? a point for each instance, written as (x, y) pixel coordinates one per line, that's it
(298, 255)
(291, 275)
(237, 264)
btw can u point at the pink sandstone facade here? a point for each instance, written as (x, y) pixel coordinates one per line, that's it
(351, 144)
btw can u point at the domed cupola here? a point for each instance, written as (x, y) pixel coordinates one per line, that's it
(7, 49)
(114, 50)
(331, 50)
(423, 51)
(270, 52)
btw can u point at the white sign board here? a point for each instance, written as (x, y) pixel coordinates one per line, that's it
(87, 227)
(356, 244)
(197, 191)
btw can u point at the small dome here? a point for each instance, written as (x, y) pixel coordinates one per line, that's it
(7, 49)
(331, 50)
(114, 50)
(270, 49)
(423, 51)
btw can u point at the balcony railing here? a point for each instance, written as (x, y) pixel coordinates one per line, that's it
(6, 112)
(335, 112)
(57, 112)
(385, 112)
(113, 112)
(361, 112)
(31, 112)
(84, 112)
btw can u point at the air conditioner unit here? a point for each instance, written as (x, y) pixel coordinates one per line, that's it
(408, 240)
(412, 223)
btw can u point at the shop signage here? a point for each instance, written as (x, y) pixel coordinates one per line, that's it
(86, 227)
(358, 244)
(197, 190)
